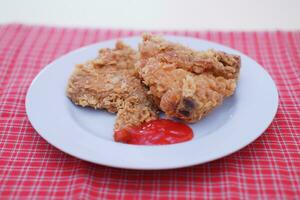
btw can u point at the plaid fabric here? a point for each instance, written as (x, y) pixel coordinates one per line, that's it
(269, 168)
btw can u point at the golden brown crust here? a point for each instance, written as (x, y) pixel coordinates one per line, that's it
(216, 62)
(110, 82)
(185, 83)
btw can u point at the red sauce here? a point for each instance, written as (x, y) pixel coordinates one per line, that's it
(161, 131)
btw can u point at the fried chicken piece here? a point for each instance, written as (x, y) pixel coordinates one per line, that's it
(110, 82)
(185, 83)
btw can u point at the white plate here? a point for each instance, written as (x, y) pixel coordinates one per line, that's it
(87, 133)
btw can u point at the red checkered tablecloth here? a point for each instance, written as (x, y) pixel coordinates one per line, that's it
(269, 168)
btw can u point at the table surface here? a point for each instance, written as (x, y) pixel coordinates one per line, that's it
(157, 14)
(31, 168)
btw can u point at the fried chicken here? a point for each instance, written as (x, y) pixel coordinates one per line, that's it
(110, 82)
(185, 83)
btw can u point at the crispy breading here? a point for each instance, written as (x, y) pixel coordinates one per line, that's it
(110, 82)
(185, 83)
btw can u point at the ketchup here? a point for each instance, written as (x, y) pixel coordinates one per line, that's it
(155, 132)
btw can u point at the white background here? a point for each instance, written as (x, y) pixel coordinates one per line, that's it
(155, 14)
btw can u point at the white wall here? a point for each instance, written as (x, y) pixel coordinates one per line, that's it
(156, 14)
